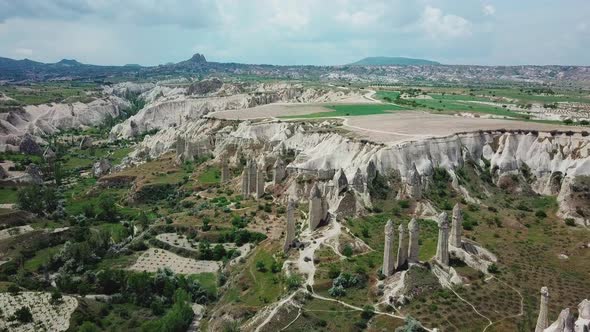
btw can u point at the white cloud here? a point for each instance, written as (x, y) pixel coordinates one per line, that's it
(489, 10)
(358, 18)
(436, 24)
(23, 52)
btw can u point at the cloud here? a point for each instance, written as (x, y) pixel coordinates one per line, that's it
(190, 14)
(489, 10)
(436, 24)
(23, 52)
(151, 32)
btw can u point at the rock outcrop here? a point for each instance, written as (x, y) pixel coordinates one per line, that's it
(48, 119)
(542, 320)
(279, 171)
(402, 249)
(29, 146)
(442, 247)
(101, 168)
(413, 241)
(388, 260)
(456, 227)
(290, 229)
(318, 208)
(3, 173)
(323, 154)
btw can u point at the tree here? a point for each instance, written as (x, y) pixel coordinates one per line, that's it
(260, 267)
(109, 211)
(23, 315)
(88, 327)
(347, 250)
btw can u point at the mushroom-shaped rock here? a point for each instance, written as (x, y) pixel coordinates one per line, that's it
(456, 227)
(542, 320)
(413, 245)
(564, 323)
(442, 249)
(388, 261)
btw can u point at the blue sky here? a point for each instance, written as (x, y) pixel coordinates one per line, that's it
(319, 32)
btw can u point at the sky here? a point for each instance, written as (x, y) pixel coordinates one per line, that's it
(297, 32)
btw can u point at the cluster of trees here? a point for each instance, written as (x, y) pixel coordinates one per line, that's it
(150, 291)
(344, 281)
(40, 200)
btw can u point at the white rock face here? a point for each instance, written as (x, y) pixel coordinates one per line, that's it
(172, 107)
(323, 154)
(48, 119)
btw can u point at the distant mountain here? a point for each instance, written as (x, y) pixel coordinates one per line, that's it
(393, 61)
(366, 70)
(67, 62)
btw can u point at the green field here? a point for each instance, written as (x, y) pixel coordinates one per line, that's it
(352, 110)
(37, 94)
(8, 195)
(41, 258)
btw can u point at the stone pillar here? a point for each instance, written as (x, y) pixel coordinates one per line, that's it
(252, 170)
(456, 227)
(224, 169)
(388, 262)
(317, 207)
(278, 171)
(542, 321)
(442, 248)
(413, 246)
(260, 181)
(290, 231)
(245, 188)
(402, 248)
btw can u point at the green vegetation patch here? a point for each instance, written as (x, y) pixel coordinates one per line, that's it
(352, 110)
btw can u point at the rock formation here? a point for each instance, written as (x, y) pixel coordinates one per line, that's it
(413, 246)
(86, 143)
(583, 322)
(279, 171)
(456, 227)
(340, 182)
(252, 176)
(101, 167)
(412, 187)
(260, 181)
(442, 248)
(245, 188)
(224, 169)
(542, 321)
(49, 156)
(388, 261)
(402, 249)
(3, 173)
(328, 152)
(29, 146)
(564, 323)
(357, 181)
(318, 209)
(290, 231)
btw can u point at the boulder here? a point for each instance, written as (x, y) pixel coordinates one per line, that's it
(101, 167)
(86, 143)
